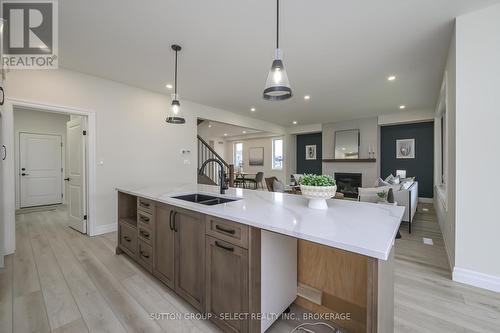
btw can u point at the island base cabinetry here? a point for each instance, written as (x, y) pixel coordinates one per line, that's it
(227, 285)
(164, 246)
(189, 255)
(244, 277)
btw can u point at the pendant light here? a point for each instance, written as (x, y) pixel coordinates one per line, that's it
(277, 86)
(174, 117)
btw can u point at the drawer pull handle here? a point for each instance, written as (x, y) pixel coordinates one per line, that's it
(227, 248)
(145, 234)
(228, 231)
(144, 219)
(127, 238)
(145, 255)
(144, 204)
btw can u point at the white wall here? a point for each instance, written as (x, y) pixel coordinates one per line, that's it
(444, 196)
(368, 128)
(267, 167)
(133, 140)
(40, 123)
(477, 150)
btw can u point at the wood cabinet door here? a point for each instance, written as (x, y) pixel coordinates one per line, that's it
(164, 245)
(190, 257)
(227, 284)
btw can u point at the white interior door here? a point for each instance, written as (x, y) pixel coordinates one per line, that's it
(40, 169)
(75, 174)
(3, 157)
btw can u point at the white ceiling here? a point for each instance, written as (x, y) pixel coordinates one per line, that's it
(214, 129)
(339, 52)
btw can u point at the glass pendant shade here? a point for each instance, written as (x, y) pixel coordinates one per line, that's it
(174, 115)
(277, 84)
(175, 110)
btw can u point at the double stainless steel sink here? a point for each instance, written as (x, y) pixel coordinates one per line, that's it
(204, 199)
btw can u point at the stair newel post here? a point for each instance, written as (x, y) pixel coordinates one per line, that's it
(231, 175)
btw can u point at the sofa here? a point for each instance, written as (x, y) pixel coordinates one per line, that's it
(405, 194)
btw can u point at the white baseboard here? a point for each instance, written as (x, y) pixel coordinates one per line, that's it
(426, 200)
(476, 279)
(104, 229)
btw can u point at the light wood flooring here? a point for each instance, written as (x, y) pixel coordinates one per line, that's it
(61, 281)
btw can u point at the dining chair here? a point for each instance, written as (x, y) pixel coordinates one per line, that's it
(270, 183)
(259, 178)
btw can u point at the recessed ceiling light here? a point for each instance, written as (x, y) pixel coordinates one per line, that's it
(252, 109)
(402, 107)
(391, 78)
(225, 134)
(169, 86)
(307, 97)
(294, 122)
(244, 132)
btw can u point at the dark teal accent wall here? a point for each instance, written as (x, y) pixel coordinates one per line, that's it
(422, 166)
(309, 166)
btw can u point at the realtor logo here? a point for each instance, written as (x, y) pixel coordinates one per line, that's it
(29, 34)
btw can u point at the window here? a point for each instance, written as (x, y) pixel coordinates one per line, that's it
(277, 162)
(238, 155)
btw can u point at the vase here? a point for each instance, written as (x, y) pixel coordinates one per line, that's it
(317, 195)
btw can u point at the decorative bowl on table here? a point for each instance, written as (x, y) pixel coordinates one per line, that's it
(317, 189)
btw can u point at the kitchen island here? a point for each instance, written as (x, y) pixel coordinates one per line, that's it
(263, 251)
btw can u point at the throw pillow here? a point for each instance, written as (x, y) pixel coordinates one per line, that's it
(369, 194)
(380, 182)
(389, 178)
(278, 186)
(407, 185)
(395, 180)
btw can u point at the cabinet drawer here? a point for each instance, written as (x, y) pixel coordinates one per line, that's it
(229, 231)
(144, 233)
(145, 218)
(145, 255)
(145, 205)
(128, 238)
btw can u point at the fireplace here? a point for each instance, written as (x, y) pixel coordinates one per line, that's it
(348, 183)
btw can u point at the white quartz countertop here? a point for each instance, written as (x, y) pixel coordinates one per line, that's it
(364, 228)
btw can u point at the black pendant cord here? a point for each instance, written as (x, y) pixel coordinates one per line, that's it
(175, 75)
(277, 24)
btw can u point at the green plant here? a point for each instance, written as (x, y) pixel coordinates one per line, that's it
(317, 180)
(382, 195)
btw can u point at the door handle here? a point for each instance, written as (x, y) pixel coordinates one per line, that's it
(170, 220)
(4, 152)
(66, 179)
(25, 174)
(175, 226)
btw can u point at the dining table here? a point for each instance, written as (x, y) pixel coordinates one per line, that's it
(242, 177)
